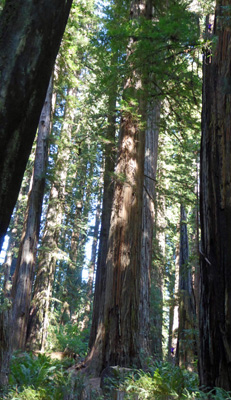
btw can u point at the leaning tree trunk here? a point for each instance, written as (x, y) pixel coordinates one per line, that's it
(24, 273)
(30, 36)
(118, 335)
(215, 288)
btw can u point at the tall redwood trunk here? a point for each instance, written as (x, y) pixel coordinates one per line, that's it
(24, 273)
(215, 288)
(108, 188)
(118, 335)
(30, 36)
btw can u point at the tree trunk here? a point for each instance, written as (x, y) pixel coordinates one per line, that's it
(186, 344)
(30, 36)
(91, 268)
(24, 273)
(215, 288)
(108, 189)
(5, 344)
(174, 308)
(159, 257)
(13, 245)
(118, 335)
(38, 321)
(150, 165)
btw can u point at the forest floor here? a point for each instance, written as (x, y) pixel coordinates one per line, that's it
(53, 376)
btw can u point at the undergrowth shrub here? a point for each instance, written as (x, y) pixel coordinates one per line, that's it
(40, 378)
(61, 337)
(167, 382)
(72, 337)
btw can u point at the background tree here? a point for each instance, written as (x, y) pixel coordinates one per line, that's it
(25, 268)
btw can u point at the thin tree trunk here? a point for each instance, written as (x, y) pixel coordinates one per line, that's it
(186, 344)
(148, 217)
(15, 233)
(157, 277)
(6, 300)
(91, 269)
(215, 287)
(24, 273)
(38, 321)
(174, 310)
(108, 190)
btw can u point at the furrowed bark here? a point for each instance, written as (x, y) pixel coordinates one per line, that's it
(215, 287)
(30, 36)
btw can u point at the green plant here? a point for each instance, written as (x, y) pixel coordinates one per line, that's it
(71, 337)
(40, 378)
(167, 382)
(163, 381)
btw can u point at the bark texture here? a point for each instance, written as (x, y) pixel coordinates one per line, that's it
(118, 335)
(148, 217)
(5, 344)
(38, 321)
(30, 36)
(108, 190)
(24, 273)
(186, 344)
(215, 288)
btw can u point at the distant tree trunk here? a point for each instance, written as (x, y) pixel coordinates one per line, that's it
(30, 36)
(15, 233)
(38, 320)
(215, 287)
(24, 273)
(159, 253)
(8, 269)
(91, 268)
(148, 217)
(186, 345)
(118, 334)
(196, 259)
(108, 190)
(174, 310)
(16, 226)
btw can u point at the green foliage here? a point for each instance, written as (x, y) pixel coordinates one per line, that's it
(38, 377)
(69, 336)
(168, 382)
(164, 382)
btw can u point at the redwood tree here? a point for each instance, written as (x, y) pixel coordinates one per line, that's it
(118, 335)
(215, 290)
(30, 36)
